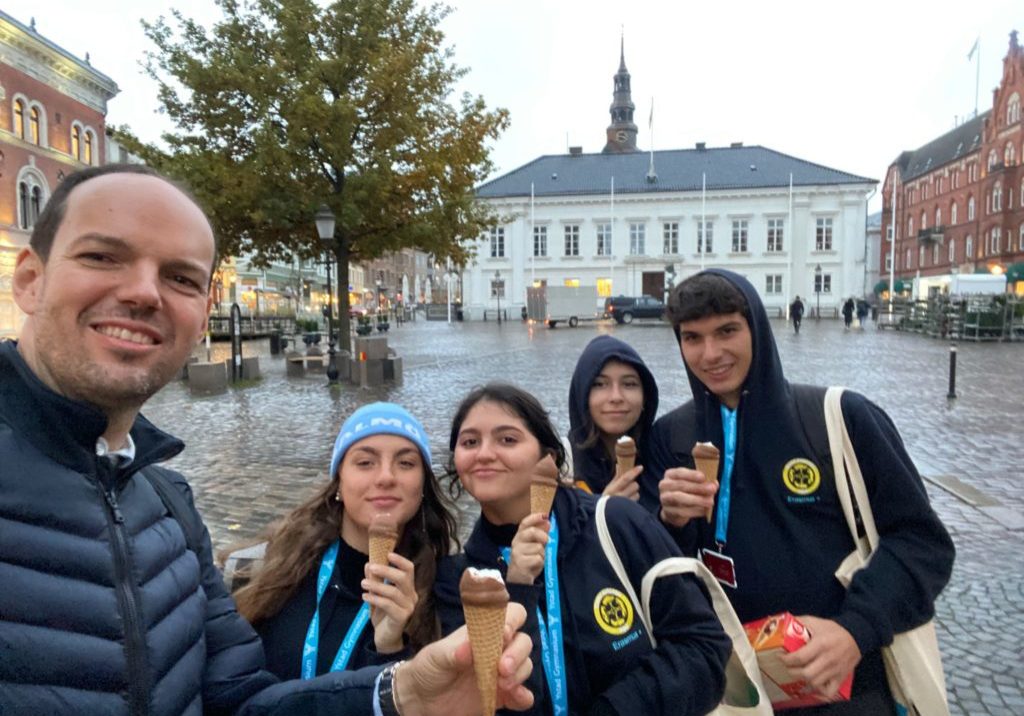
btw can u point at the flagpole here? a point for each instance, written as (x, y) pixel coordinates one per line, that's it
(703, 218)
(533, 238)
(976, 49)
(792, 243)
(611, 243)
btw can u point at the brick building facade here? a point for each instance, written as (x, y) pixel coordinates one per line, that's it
(52, 110)
(960, 198)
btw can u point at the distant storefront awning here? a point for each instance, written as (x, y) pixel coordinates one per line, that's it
(901, 286)
(1015, 273)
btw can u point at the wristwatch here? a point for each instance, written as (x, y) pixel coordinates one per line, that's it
(387, 699)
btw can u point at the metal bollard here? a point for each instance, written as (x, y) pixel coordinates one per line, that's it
(952, 372)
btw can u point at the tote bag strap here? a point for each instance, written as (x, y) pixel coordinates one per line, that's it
(853, 494)
(612, 555)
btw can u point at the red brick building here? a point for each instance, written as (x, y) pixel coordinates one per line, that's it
(52, 121)
(960, 198)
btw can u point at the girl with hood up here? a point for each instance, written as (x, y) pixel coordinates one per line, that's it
(311, 599)
(612, 394)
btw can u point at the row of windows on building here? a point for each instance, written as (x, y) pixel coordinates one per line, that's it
(772, 285)
(936, 184)
(29, 124)
(993, 245)
(993, 204)
(705, 237)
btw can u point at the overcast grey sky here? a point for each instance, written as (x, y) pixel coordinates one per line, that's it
(847, 85)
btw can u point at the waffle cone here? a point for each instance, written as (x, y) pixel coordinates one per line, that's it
(486, 627)
(710, 469)
(541, 497)
(380, 547)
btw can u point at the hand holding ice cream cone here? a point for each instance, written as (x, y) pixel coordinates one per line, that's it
(383, 537)
(484, 600)
(706, 456)
(625, 455)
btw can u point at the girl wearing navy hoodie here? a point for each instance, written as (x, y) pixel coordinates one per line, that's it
(311, 599)
(591, 651)
(612, 394)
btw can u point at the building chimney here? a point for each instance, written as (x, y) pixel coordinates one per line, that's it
(734, 145)
(700, 146)
(575, 151)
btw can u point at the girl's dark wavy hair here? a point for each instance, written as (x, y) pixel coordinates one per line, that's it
(521, 404)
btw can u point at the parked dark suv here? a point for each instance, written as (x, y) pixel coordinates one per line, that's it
(625, 308)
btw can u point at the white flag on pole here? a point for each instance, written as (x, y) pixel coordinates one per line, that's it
(974, 48)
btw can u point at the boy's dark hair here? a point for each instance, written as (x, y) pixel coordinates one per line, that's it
(52, 217)
(703, 295)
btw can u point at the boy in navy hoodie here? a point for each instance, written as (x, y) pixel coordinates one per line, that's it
(776, 541)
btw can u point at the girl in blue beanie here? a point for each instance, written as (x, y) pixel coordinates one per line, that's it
(311, 599)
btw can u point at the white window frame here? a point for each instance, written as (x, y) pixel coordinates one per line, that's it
(740, 236)
(540, 241)
(670, 237)
(773, 284)
(775, 240)
(497, 240)
(604, 238)
(823, 233)
(637, 238)
(705, 230)
(571, 233)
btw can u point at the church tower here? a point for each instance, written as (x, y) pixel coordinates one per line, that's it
(621, 132)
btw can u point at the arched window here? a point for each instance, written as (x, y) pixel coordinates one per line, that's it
(952, 213)
(76, 141)
(32, 194)
(920, 257)
(1020, 239)
(938, 216)
(935, 254)
(952, 251)
(997, 198)
(993, 159)
(908, 265)
(1013, 109)
(970, 208)
(1009, 155)
(969, 248)
(910, 226)
(19, 118)
(33, 125)
(87, 151)
(924, 221)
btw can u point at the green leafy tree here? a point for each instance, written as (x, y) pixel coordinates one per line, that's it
(283, 105)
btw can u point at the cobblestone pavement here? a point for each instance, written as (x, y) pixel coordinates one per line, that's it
(254, 452)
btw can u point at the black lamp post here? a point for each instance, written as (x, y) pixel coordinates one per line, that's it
(817, 291)
(325, 230)
(497, 292)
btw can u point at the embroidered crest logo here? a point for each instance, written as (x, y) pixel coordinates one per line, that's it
(801, 476)
(613, 611)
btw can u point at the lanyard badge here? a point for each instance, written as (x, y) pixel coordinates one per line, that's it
(311, 645)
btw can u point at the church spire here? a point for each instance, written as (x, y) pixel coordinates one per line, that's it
(621, 133)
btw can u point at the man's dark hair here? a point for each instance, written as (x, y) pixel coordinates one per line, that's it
(53, 213)
(703, 295)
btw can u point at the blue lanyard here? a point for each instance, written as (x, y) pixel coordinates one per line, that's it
(725, 488)
(355, 630)
(551, 652)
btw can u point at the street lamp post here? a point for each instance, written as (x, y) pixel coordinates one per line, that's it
(325, 230)
(817, 291)
(497, 292)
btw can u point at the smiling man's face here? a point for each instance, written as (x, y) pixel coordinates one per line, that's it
(122, 299)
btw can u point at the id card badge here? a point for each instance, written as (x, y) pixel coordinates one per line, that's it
(719, 565)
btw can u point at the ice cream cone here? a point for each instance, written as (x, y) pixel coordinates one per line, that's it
(383, 538)
(625, 455)
(544, 486)
(706, 456)
(484, 600)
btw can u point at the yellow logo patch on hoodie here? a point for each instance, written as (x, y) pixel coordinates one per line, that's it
(801, 476)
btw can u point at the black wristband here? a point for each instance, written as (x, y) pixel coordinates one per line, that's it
(386, 691)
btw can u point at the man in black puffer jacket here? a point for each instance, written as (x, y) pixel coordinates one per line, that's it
(103, 608)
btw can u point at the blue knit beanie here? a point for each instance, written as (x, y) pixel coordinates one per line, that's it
(379, 419)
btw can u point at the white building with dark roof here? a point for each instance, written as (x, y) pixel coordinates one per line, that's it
(625, 221)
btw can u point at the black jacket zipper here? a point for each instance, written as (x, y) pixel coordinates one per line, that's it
(128, 600)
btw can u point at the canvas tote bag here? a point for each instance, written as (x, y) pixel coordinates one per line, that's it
(913, 664)
(744, 692)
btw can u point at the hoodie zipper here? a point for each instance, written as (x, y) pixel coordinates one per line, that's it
(128, 600)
